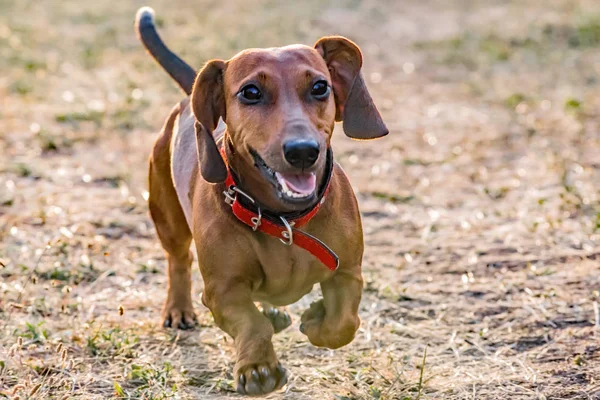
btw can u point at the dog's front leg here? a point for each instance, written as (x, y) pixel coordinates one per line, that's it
(257, 370)
(333, 321)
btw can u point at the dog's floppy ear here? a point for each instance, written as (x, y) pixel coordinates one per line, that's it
(208, 105)
(353, 102)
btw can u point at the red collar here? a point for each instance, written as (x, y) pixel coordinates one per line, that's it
(284, 229)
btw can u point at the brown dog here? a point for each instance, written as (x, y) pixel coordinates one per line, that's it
(262, 121)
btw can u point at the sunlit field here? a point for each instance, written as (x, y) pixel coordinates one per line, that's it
(481, 209)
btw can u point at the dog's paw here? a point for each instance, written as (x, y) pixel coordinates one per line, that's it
(315, 313)
(311, 322)
(333, 332)
(280, 319)
(179, 317)
(256, 380)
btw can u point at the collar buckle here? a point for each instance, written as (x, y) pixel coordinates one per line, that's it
(256, 220)
(230, 198)
(288, 234)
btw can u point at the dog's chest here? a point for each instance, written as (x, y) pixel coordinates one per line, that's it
(289, 272)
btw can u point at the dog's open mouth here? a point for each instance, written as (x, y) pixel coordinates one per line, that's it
(299, 185)
(296, 186)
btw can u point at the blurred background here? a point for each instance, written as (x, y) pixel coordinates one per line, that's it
(481, 209)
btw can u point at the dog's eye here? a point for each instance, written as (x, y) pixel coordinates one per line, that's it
(250, 94)
(320, 90)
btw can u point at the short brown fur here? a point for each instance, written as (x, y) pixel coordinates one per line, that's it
(239, 266)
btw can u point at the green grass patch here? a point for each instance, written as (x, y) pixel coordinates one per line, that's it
(21, 87)
(573, 105)
(89, 116)
(393, 198)
(514, 100)
(34, 332)
(587, 32)
(112, 343)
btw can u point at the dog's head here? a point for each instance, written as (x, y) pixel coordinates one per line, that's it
(280, 106)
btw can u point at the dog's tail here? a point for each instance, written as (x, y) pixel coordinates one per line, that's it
(178, 69)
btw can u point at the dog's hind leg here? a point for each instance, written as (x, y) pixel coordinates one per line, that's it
(280, 319)
(174, 234)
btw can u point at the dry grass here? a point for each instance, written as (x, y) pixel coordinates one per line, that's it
(481, 210)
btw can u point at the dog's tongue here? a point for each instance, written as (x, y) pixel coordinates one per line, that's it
(304, 183)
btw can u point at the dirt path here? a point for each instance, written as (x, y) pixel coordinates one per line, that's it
(481, 210)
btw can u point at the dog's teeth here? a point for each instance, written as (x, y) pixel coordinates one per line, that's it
(285, 189)
(295, 195)
(284, 186)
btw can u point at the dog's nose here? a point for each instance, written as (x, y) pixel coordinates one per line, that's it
(301, 153)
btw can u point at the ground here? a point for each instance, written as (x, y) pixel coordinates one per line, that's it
(481, 209)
